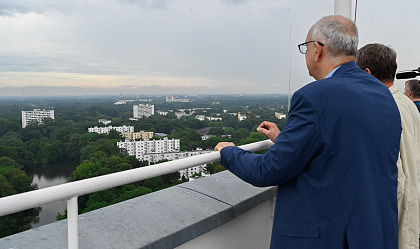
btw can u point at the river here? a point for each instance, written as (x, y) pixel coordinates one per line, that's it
(47, 176)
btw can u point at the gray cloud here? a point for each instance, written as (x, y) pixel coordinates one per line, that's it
(226, 45)
(153, 4)
(12, 7)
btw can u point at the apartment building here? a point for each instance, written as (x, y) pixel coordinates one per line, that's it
(170, 98)
(104, 121)
(143, 110)
(106, 129)
(36, 115)
(186, 173)
(137, 148)
(241, 117)
(164, 149)
(138, 135)
(279, 115)
(214, 118)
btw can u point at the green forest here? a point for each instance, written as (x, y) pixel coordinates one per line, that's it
(66, 138)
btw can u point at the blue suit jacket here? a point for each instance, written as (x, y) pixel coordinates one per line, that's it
(334, 164)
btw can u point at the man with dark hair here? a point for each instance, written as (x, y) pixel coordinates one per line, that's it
(335, 161)
(412, 91)
(381, 61)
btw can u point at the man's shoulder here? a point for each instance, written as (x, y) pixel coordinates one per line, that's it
(347, 72)
(329, 84)
(347, 89)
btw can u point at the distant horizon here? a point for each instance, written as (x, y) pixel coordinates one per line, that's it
(50, 91)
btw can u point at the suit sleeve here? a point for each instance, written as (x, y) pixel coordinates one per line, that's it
(292, 151)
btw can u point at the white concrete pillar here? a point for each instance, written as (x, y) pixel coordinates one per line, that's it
(343, 8)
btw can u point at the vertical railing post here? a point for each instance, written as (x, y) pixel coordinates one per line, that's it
(72, 223)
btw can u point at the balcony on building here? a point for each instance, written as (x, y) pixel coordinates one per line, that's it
(217, 211)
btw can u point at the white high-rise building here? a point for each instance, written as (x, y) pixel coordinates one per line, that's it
(164, 149)
(187, 173)
(138, 148)
(141, 110)
(170, 98)
(105, 130)
(37, 115)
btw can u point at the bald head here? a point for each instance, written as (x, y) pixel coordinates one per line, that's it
(339, 35)
(331, 42)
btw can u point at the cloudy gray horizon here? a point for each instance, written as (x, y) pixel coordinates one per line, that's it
(178, 46)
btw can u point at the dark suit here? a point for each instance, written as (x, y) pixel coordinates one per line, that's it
(334, 164)
(417, 104)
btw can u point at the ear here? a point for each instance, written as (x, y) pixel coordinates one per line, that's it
(318, 52)
(409, 93)
(367, 70)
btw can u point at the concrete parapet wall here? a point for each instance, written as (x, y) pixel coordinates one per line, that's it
(164, 219)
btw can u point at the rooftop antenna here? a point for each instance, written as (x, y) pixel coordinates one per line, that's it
(290, 68)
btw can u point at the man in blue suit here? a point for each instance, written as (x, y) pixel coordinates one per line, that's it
(335, 161)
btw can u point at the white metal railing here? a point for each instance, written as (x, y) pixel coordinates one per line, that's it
(71, 191)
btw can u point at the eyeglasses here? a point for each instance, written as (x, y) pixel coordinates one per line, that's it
(304, 46)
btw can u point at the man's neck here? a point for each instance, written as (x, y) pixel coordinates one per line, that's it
(388, 83)
(331, 65)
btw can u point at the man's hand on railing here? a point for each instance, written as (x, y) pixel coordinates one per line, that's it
(269, 129)
(222, 145)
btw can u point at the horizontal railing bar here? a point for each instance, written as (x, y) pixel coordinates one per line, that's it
(19, 202)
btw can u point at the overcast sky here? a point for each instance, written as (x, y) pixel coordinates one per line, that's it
(179, 46)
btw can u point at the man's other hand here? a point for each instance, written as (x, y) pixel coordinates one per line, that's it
(269, 129)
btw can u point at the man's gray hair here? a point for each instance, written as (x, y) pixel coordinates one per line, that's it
(413, 86)
(339, 38)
